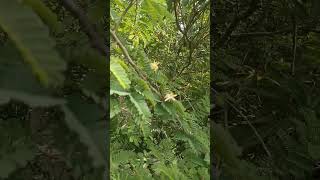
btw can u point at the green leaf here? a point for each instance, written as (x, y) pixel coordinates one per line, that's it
(74, 123)
(138, 102)
(120, 93)
(18, 83)
(141, 105)
(157, 9)
(119, 72)
(32, 39)
(114, 108)
(45, 13)
(30, 99)
(225, 146)
(171, 172)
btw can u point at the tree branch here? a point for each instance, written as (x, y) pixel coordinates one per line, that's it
(248, 122)
(130, 61)
(88, 28)
(255, 34)
(272, 33)
(236, 21)
(188, 63)
(124, 14)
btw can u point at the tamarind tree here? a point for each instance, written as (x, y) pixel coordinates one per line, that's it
(159, 93)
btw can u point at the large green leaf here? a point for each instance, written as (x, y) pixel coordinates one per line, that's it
(138, 101)
(84, 118)
(32, 39)
(140, 104)
(45, 13)
(157, 9)
(18, 83)
(74, 123)
(30, 99)
(119, 72)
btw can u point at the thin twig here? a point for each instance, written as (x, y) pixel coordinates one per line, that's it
(250, 125)
(177, 17)
(254, 34)
(236, 21)
(253, 128)
(188, 63)
(272, 33)
(185, 34)
(124, 14)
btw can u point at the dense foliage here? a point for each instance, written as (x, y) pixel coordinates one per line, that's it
(159, 73)
(266, 89)
(53, 89)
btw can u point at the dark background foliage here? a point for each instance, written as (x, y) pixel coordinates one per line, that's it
(53, 89)
(265, 86)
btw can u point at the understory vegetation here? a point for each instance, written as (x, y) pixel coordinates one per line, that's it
(266, 89)
(159, 104)
(60, 92)
(53, 89)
